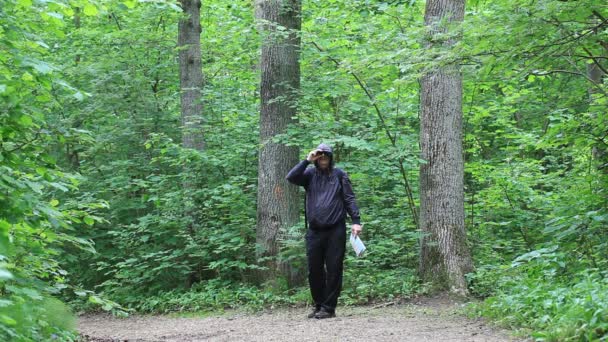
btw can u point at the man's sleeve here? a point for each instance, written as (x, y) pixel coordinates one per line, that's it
(297, 175)
(349, 199)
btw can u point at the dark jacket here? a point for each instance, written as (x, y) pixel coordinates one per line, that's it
(329, 195)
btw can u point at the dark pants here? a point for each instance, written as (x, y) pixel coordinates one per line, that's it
(325, 254)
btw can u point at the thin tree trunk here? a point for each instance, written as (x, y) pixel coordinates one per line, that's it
(277, 207)
(72, 147)
(191, 74)
(191, 83)
(596, 74)
(444, 257)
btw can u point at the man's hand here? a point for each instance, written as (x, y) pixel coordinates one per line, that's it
(313, 155)
(356, 230)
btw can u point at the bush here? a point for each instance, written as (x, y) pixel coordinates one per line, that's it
(43, 319)
(556, 311)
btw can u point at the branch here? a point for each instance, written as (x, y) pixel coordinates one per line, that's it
(597, 14)
(398, 22)
(116, 21)
(597, 64)
(593, 83)
(36, 137)
(582, 56)
(408, 189)
(367, 92)
(570, 38)
(543, 73)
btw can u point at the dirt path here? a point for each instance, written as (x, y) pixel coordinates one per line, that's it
(428, 321)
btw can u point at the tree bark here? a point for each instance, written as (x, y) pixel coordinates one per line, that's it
(191, 84)
(596, 74)
(277, 208)
(72, 148)
(444, 256)
(191, 74)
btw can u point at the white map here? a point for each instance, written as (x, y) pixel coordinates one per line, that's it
(357, 244)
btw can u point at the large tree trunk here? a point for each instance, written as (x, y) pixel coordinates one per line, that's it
(191, 74)
(191, 84)
(444, 256)
(277, 206)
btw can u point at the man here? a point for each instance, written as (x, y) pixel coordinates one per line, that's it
(329, 195)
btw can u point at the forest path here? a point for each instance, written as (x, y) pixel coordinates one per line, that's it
(421, 320)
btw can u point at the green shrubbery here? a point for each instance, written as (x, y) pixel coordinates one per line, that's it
(40, 318)
(361, 287)
(552, 310)
(556, 293)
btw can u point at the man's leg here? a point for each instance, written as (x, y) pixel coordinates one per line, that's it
(315, 255)
(336, 243)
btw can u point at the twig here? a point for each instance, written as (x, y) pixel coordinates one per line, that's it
(597, 64)
(383, 305)
(25, 143)
(408, 189)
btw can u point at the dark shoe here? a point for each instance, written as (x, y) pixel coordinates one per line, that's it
(313, 313)
(322, 314)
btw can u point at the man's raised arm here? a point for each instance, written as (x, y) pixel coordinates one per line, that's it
(296, 175)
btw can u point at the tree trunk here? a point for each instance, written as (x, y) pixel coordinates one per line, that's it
(72, 147)
(191, 74)
(596, 74)
(191, 84)
(444, 256)
(277, 207)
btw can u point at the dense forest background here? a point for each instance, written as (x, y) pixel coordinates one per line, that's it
(104, 207)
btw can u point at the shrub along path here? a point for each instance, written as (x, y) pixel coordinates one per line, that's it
(421, 320)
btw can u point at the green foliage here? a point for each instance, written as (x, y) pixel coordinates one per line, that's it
(535, 172)
(365, 285)
(216, 294)
(91, 158)
(219, 294)
(573, 309)
(38, 219)
(32, 317)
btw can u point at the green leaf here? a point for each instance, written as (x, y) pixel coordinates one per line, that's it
(78, 95)
(25, 3)
(42, 67)
(95, 300)
(90, 10)
(25, 120)
(27, 76)
(89, 220)
(7, 320)
(55, 15)
(5, 275)
(58, 186)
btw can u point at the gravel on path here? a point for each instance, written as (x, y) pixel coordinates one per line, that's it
(423, 321)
